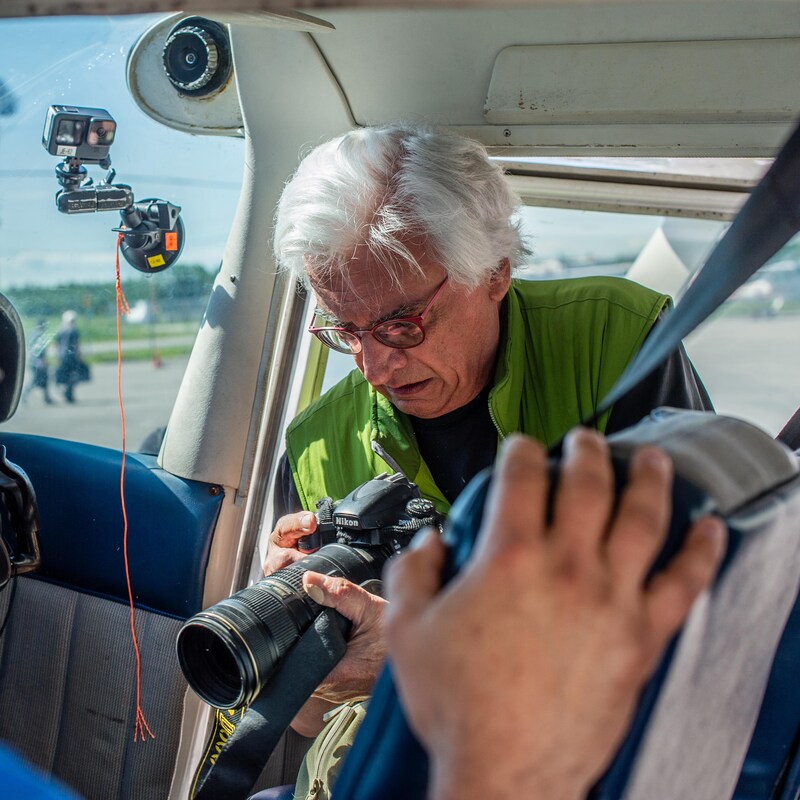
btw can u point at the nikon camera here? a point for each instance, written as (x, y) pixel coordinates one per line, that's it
(228, 651)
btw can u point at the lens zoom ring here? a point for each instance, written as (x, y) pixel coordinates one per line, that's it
(272, 612)
(293, 576)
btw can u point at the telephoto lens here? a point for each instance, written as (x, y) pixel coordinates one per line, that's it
(228, 651)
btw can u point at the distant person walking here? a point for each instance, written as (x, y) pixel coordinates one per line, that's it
(71, 367)
(40, 370)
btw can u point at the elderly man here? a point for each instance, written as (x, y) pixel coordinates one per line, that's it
(407, 238)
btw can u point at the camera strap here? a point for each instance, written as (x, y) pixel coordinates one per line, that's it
(230, 772)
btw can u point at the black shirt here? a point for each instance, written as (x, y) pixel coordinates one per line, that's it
(457, 445)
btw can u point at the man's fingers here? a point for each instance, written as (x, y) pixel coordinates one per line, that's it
(349, 599)
(414, 577)
(642, 519)
(671, 593)
(291, 527)
(280, 557)
(517, 497)
(585, 494)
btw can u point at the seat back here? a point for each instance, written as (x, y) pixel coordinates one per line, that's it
(720, 717)
(68, 691)
(728, 708)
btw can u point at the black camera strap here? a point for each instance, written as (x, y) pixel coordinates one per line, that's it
(231, 775)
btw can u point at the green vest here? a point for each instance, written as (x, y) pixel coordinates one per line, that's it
(563, 345)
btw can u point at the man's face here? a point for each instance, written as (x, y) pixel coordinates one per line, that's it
(462, 331)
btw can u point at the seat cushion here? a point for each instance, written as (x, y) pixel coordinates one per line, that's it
(68, 691)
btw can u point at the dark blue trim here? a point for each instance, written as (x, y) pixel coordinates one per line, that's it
(170, 522)
(766, 773)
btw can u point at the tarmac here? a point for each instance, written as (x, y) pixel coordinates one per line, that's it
(148, 394)
(747, 364)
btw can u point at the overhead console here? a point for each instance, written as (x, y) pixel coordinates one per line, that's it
(181, 71)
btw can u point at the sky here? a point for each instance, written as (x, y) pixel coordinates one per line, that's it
(81, 61)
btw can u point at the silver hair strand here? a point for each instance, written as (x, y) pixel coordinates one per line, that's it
(384, 187)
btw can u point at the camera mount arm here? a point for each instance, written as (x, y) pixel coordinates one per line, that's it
(152, 234)
(152, 230)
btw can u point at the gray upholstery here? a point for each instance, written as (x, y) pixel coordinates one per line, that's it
(68, 691)
(702, 725)
(707, 710)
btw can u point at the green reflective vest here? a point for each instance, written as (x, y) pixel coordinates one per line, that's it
(563, 345)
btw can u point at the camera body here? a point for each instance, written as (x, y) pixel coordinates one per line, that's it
(228, 651)
(85, 134)
(386, 509)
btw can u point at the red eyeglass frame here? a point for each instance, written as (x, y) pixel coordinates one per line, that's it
(358, 333)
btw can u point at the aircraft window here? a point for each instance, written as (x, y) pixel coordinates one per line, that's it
(743, 353)
(51, 263)
(746, 350)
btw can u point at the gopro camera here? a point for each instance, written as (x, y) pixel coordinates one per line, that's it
(85, 134)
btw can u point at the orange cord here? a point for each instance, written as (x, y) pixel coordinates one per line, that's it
(123, 308)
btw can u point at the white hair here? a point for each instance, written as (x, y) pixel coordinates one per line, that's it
(387, 187)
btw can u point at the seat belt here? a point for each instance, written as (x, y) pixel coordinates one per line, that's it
(767, 220)
(790, 433)
(386, 761)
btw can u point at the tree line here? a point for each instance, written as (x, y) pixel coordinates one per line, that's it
(188, 284)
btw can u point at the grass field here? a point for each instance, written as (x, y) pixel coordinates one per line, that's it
(139, 341)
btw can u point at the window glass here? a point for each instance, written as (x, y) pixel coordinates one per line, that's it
(658, 252)
(53, 263)
(746, 351)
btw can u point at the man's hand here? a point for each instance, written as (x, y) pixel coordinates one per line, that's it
(522, 674)
(282, 549)
(353, 677)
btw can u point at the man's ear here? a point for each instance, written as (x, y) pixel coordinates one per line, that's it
(500, 280)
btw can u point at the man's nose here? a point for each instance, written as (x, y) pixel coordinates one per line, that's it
(377, 362)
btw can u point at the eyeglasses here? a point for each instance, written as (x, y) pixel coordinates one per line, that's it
(400, 332)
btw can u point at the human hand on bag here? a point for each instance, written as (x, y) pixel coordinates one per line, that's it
(522, 674)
